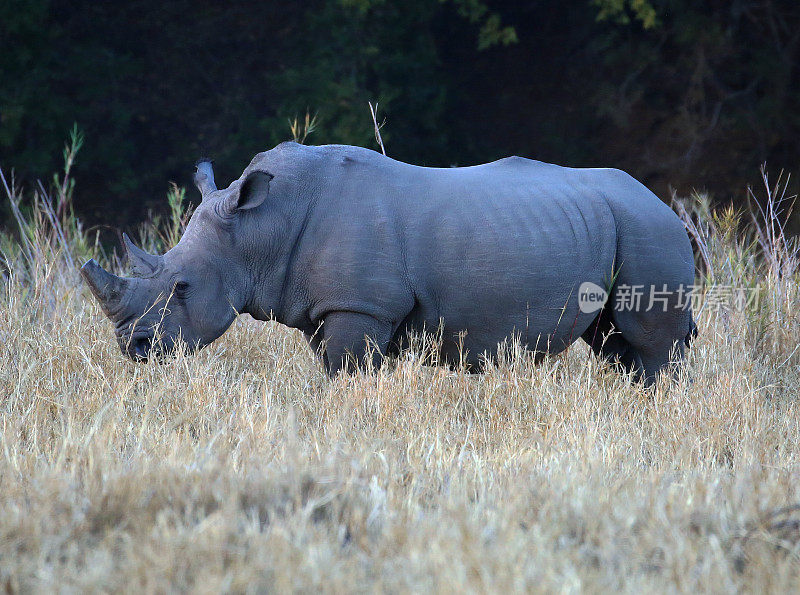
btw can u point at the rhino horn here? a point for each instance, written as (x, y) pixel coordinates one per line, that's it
(204, 177)
(107, 288)
(142, 263)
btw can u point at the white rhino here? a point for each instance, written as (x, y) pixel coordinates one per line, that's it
(356, 249)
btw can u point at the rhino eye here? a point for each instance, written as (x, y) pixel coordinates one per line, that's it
(181, 289)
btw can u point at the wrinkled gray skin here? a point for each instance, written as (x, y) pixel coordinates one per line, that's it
(346, 244)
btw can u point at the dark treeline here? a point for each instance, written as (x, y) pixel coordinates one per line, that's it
(677, 92)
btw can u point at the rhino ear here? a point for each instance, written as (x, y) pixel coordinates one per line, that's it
(204, 177)
(253, 191)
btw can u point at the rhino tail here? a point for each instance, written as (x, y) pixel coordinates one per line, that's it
(691, 334)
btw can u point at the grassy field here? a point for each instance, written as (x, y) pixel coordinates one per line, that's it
(243, 468)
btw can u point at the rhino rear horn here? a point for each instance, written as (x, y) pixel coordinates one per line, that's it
(107, 288)
(142, 263)
(204, 177)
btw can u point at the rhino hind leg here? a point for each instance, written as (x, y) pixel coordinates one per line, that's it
(644, 343)
(657, 337)
(607, 343)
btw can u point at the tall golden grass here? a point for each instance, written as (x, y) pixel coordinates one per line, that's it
(243, 468)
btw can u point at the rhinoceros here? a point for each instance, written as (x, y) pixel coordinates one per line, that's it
(360, 251)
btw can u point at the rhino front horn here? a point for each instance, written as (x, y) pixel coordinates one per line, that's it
(204, 177)
(142, 263)
(107, 288)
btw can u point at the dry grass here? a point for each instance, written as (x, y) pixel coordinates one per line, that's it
(244, 469)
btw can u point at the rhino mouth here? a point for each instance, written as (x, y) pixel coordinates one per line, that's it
(139, 349)
(143, 345)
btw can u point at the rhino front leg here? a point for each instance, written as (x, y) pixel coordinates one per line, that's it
(316, 343)
(354, 340)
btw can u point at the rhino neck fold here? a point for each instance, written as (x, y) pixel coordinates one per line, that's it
(287, 307)
(281, 291)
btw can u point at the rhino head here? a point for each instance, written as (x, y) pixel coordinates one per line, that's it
(194, 291)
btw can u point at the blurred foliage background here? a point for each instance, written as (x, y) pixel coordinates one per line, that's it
(683, 94)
